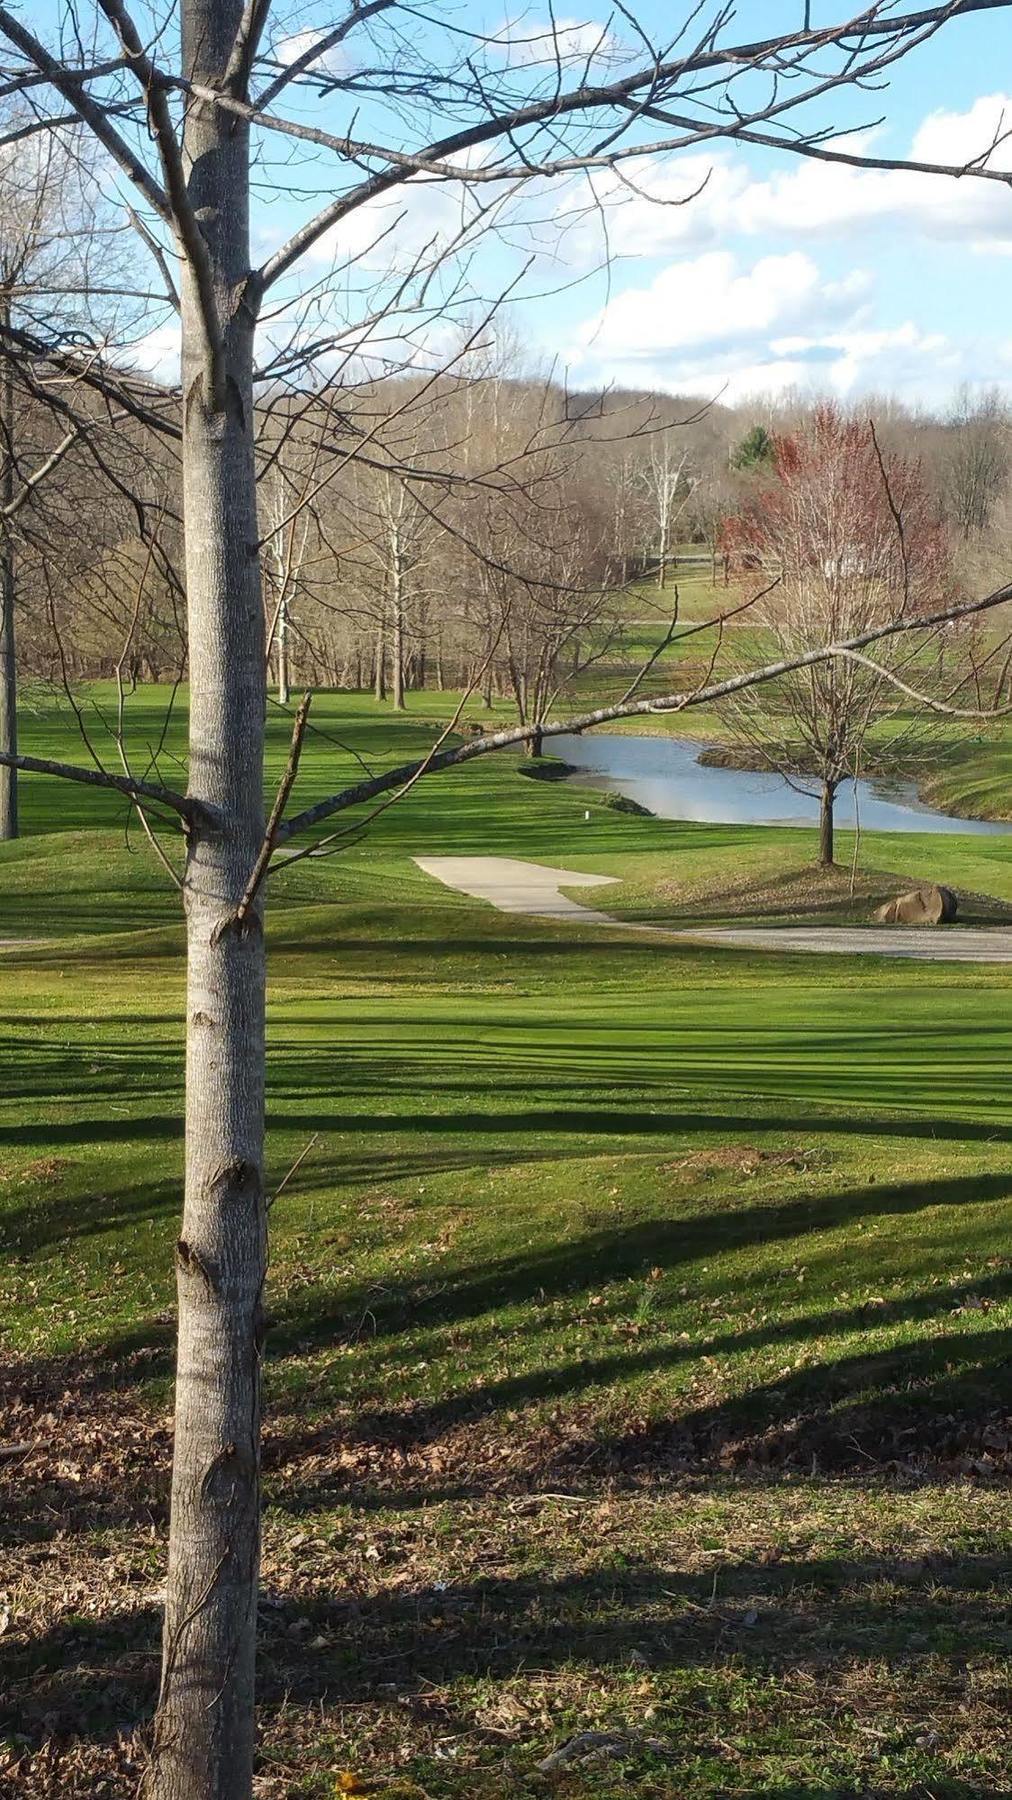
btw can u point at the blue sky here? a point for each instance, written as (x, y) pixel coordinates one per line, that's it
(782, 273)
(786, 273)
(793, 274)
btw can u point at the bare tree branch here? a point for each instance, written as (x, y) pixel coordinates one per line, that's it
(926, 700)
(39, 474)
(71, 84)
(871, 23)
(324, 44)
(280, 802)
(122, 784)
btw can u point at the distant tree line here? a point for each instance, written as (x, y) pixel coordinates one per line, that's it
(482, 539)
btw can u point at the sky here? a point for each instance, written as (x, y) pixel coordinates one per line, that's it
(787, 274)
(725, 272)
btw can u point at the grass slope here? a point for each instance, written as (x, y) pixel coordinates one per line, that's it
(640, 1349)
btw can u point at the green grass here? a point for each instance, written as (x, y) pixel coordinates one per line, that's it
(640, 1348)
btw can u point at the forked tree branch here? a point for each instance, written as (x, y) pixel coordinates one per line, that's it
(71, 84)
(280, 802)
(155, 90)
(639, 91)
(325, 43)
(32, 481)
(38, 360)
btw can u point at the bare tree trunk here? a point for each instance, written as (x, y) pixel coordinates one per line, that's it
(204, 1728)
(826, 805)
(397, 655)
(8, 657)
(8, 691)
(283, 653)
(379, 685)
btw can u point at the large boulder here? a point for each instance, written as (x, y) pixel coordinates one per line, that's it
(930, 905)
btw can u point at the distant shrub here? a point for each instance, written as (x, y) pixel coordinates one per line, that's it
(545, 768)
(622, 803)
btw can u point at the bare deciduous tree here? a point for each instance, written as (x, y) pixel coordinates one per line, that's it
(50, 232)
(977, 466)
(852, 541)
(664, 483)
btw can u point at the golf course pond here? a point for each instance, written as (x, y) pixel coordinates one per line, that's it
(664, 775)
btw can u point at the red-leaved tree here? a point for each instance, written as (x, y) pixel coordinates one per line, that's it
(844, 536)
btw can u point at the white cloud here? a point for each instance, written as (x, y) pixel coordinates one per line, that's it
(391, 233)
(568, 41)
(712, 326)
(426, 218)
(958, 138)
(904, 361)
(157, 353)
(711, 300)
(289, 49)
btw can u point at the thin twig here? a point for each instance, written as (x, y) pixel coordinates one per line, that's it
(297, 1164)
(416, 774)
(280, 802)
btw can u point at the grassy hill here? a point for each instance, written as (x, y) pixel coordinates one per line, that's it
(639, 1358)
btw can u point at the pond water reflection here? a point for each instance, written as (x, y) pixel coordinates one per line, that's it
(664, 775)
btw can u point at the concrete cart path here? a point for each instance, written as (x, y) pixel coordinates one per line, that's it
(524, 887)
(918, 943)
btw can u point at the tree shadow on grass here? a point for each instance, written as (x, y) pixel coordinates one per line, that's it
(86, 1452)
(936, 1411)
(936, 1400)
(793, 1620)
(493, 1140)
(614, 1254)
(55, 1218)
(909, 1363)
(485, 1140)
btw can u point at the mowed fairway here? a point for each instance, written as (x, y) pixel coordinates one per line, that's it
(640, 1313)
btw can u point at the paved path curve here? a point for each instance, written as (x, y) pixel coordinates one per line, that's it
(525, 887)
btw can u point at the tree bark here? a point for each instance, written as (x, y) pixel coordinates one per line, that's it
(826, 806)
(397, 656)
(283, 653)
(662, 562)
(203, 1748)
(379, 686)
(8, 656)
